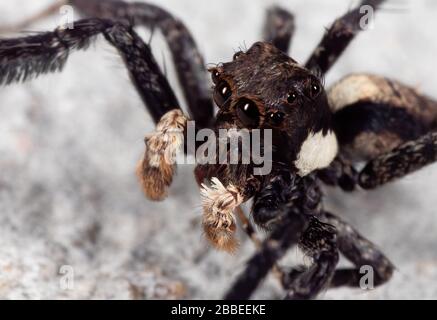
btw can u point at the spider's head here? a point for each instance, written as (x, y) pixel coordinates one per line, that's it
(264, 88)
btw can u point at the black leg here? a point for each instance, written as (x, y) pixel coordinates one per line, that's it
(279, 28)
(318, 242)
(272, 249)
(340, 173)
(284, 206)
(338, 37)
(406, 158)
(361, 252)
(27, 57)
(322, 241)
(188, 61)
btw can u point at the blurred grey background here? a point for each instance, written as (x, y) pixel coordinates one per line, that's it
(70, 142)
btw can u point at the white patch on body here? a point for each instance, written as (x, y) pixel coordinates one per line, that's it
(350, 89)
(316, 152)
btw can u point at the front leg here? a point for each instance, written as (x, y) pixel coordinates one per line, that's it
(283, 205)
(24, 58)
(272, 249)
(27, 57)
(188, 61)
(325, 237)
(338, 37)
(357, 249)
(319, 242)
(361, 252)
(279, 28)
(156, 169)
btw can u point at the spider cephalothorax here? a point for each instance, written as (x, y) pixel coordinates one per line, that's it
(266, 89)
(368, 118)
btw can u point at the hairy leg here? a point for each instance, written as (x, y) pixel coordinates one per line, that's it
(188, 61)
(361, 252)
(283, 206)
(27, 57)
(279, 28)
(190, 67)
(404, 159)
(339, 173)
(338, 37)
(324, 241)
(272, 249)
(156, 169)
(318, 242)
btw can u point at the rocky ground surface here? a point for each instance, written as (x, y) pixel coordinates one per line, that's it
(69, 199)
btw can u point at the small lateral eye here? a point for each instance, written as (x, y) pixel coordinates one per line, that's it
(276, 118)
(215, 75)
(291, 97)
(247, 112)
(237, 55)
(222, 93)
(315, 89)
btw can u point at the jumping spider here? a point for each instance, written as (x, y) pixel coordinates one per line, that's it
(317, 135)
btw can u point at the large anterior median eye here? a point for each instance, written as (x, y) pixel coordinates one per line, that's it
(247, 112)
(222, 93)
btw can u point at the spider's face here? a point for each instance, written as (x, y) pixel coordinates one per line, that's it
(264, 88)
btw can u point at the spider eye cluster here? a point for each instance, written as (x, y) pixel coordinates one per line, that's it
(291, 97)
(315, 89)
(222, 93)
(215, 76)
(237, 55)
(312, 92)
(247, 112)
(276, 118)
